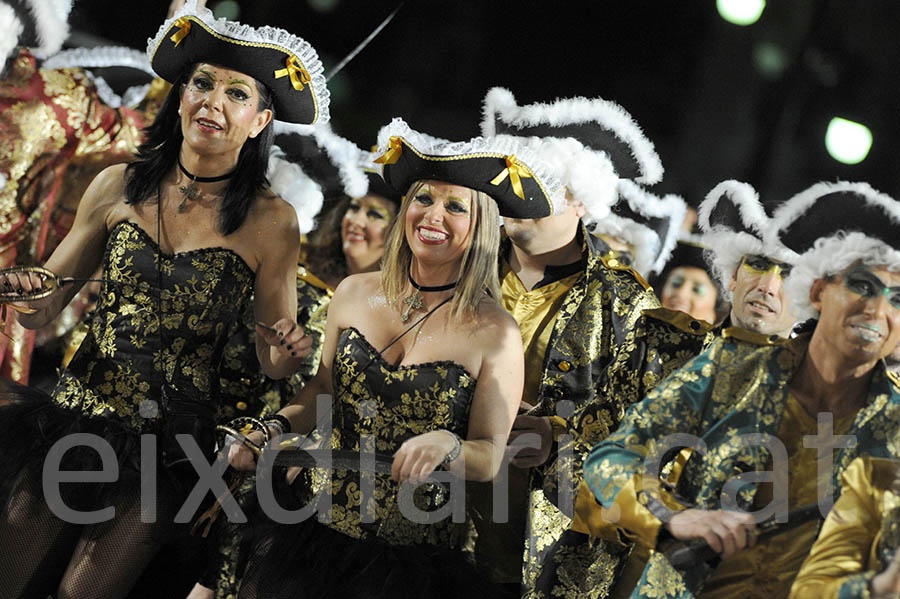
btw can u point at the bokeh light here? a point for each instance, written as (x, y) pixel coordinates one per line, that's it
(847, 141)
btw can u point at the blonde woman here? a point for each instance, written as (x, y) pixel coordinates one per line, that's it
(423, 359)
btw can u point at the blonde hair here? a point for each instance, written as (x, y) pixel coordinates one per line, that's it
(478, 268)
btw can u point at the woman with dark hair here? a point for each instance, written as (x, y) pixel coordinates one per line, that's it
(185, 236)
(425, 366)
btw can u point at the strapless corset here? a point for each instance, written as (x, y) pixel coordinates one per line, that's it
(158, 328)
(383, 405)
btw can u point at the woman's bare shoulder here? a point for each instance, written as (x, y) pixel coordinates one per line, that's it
(358, 286)
(272, 221)
(105, 191)
(494, 324)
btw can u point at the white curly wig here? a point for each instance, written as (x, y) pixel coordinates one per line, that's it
(588, 176)
(837, 249)
(830, 256)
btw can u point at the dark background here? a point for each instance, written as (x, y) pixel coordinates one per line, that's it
(693, 81)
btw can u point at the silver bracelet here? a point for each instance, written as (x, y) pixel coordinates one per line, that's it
(457, 449)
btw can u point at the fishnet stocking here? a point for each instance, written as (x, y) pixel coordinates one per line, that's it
(43, 555)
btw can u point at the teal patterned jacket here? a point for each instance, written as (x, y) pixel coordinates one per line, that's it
(738, 386)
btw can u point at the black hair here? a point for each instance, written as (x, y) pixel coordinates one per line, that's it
(158, 155)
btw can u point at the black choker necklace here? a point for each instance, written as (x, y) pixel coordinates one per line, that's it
(190, 191)
(414, 302)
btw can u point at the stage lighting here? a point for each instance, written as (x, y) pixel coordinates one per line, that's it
(847, 141)
(741, 12)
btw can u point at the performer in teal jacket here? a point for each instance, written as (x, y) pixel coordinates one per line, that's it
(790, 395)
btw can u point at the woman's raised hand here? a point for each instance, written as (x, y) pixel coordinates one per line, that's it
(287, 337)
(25, 283)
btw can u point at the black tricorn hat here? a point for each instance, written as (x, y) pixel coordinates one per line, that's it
(599, 125)
(285, 63)
(826, 208)
(336, 164)
(378, 187)
(649, 223)
(503, 169)
(686, 253)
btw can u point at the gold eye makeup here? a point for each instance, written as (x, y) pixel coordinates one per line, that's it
(760, 265)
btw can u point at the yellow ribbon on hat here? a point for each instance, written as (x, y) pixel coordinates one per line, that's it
(392, 155)
(298, 74)
(515, 172)
(184, 28)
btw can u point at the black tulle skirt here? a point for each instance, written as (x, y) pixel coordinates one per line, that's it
(311, 560)
(31, 423)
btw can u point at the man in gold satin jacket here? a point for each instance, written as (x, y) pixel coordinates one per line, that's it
(595, 338)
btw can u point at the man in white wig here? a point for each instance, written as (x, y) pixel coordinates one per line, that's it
(750, 271)
(590, 348)
(761, 413)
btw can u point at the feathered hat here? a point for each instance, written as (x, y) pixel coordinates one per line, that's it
(648, 223)
(42, 25)
(734, 223)
(590, 143)
(832, 226)
(285, 63)
(506, 170)
(308, 166)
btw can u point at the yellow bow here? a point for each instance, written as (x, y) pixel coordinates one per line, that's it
(395, 148)
(514, 171)
(184, 25)
(298, 74)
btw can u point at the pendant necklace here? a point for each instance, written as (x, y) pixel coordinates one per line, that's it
(414, 302)
(190, 191)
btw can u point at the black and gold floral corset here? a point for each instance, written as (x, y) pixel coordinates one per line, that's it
(386, 405)
(126, 360)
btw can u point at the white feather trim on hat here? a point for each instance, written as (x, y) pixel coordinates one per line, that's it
(728, 247)
(797, 205)
(588, 176)
(744, 197)
(264, 35)
(348, 158)
(500, 103)
(830, 256)
(345, 155)
(288, 180)
(12, 28)
(51, 25)
(505, 146)
(649, 251)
